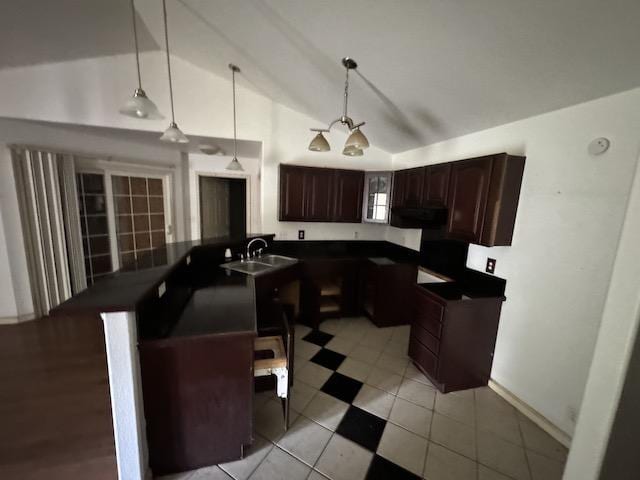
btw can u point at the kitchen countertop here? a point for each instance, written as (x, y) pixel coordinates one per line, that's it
(228, 305)
(124, 289)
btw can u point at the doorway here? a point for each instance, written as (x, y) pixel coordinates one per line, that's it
(223, 206)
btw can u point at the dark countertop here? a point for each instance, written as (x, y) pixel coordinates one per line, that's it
(310, 250)
(468, 285)
(228, 306)
(124, 289)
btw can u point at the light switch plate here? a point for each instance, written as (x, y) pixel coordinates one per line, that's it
(300, 234)
(491, 265)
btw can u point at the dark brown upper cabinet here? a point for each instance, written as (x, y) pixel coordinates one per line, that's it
(309, 194)
(293, 198)
(318, 186)
(483, 199)
(481, 195)
(348, 188)
(468, 198)
(435, 188)
(414, 178)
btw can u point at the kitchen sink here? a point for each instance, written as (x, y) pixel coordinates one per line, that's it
(276, 260)
(260, 265)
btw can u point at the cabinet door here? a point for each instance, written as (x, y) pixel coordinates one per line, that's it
(399, 178)
(413, 187)
(468, 192)
(317, 194)
(292, 193)
(436, 184)
(347, 192)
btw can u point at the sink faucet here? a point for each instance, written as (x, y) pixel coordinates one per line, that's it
(251, 243)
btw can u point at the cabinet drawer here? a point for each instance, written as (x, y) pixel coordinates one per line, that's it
(425, 338)
(428, 313)
(423, 357)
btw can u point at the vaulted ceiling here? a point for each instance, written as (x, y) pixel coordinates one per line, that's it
(428, 69)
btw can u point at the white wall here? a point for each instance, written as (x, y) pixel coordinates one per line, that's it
(90, 91)
(570, 214)
(613, 352)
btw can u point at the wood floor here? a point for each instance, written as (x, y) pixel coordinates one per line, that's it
(55, 415)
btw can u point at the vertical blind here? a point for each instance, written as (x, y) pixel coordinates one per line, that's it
(47, 199)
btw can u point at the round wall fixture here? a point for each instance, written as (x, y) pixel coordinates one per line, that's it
(599, 146)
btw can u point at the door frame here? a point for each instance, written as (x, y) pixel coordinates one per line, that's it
(231, 175)
(109, 168)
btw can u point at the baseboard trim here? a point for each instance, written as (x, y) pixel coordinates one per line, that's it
(532, 414)
(18, 319)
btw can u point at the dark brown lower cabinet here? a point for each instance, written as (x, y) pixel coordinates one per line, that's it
(198, 398)
(452, 341)
(384, 286)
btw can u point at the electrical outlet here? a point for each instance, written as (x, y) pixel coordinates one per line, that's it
(491, 265)
(300, 234)
(356, 235)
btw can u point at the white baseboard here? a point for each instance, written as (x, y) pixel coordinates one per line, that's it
(532, 414)
(18, 319)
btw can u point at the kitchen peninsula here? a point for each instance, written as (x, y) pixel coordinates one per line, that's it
(180, 330)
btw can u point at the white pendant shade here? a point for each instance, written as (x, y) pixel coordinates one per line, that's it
(139, 106)
(352, 152)
(319, 144)
(235, 165)
(174, 135)
(357, 140)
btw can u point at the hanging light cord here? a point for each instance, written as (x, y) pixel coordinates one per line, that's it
(166, 42)
(135, 39)
(346, 94)
(235, 142)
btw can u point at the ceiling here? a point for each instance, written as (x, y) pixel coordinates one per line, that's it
(428, 70)
(45, 31)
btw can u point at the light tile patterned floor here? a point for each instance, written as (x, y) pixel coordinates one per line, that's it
(362, 410)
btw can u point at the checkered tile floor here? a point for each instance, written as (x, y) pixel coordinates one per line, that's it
(361, 410)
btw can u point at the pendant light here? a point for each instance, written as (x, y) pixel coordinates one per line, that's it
(356, 141)
(139, 105)
(172, 134)
(234, 164)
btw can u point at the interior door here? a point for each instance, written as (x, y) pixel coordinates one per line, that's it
(468, 198)
(214, 207)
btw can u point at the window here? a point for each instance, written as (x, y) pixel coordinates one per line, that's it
(94, 224)
(377, 196)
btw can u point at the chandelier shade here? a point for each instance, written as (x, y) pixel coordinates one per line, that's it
(319, 144)
(174, 135)
(352, 152)
(139, 105)
(235, 164)
(356, 141)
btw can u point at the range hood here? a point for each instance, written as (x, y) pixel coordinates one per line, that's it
(420, 217)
